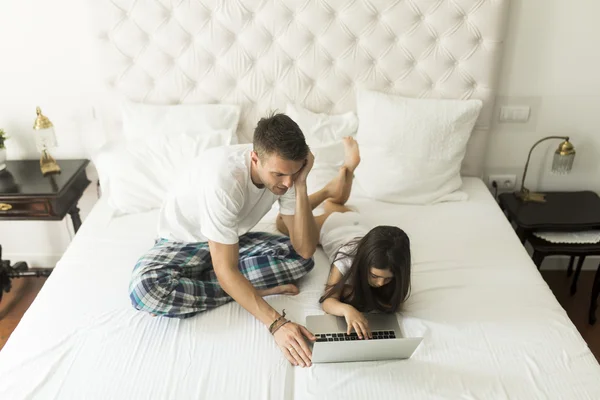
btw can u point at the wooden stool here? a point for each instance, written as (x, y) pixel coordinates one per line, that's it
(543, 248)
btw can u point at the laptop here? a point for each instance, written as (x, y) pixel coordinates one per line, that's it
(334, 345)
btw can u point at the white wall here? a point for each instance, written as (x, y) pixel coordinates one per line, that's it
(551, 62)
(46, 59)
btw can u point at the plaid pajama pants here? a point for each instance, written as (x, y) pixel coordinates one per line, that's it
(177, 279)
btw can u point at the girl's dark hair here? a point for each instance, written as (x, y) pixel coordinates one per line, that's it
(384, 247)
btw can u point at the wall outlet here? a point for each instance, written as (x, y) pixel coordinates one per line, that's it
(504, 182)
(514, 114)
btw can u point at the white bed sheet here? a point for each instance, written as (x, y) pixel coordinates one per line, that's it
(491, 325)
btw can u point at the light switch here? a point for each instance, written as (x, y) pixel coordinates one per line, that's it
(514, 113)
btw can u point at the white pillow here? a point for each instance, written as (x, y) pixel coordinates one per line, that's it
(412, 149)
(142, 120)
(324, 133)
(135, 176)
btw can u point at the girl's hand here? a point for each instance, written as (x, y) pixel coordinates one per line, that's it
(357, 321)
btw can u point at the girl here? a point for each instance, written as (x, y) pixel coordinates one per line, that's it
(370, 268)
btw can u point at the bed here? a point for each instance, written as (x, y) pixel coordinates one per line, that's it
(491, 326)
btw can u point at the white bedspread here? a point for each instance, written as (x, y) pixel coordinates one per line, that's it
(491, 325)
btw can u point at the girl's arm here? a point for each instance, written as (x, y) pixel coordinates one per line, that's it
(354, 318)
(332, 305)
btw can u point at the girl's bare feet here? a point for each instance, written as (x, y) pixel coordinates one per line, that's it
(335, 188)
(290, 289)
(352, 154)
(339, 188)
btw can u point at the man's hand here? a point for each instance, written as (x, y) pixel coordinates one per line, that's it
(290, 339)
(303, 173)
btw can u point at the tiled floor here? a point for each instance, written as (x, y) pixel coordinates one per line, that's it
(14, 304)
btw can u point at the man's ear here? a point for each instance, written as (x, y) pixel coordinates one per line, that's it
(254, 157)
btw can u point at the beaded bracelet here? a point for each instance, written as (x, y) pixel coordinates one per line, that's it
(277, 320)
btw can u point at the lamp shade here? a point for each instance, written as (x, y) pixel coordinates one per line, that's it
(45, 138)
(563, 158)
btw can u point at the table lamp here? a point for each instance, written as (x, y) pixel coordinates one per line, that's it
(45, 139)
(561, 164)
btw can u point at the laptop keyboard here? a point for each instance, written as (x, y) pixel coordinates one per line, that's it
(342, 337)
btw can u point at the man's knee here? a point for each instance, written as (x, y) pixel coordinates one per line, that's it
(141, 288)
(300, 265)
(308, 264)
(148, 291)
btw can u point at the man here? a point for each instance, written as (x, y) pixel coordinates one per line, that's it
(205, 255)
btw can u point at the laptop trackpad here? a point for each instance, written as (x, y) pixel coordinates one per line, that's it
(325, 324)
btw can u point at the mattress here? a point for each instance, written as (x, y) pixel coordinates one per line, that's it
(491, 326)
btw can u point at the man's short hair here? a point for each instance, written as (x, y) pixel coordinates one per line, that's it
(279, 134)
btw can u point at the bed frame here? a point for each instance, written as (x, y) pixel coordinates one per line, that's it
(263, 54)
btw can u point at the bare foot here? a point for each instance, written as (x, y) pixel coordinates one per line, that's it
(335, 187)
(352, 154)
(290, 289)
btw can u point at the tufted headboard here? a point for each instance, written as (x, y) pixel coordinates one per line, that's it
(263, 54)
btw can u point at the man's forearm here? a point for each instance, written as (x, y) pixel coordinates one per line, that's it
(242, 291)
(225, 263)
(306, 234)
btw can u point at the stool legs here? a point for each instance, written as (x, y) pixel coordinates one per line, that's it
(577, 273)
(570, 269)
(595, 294)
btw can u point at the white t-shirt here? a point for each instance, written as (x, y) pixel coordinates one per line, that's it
(216, 199)
(337, 231)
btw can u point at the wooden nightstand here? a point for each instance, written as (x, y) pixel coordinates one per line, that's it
(562, 211)
(44, 198)
(38, 197)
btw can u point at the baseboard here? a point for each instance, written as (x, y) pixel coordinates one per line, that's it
(33, 260)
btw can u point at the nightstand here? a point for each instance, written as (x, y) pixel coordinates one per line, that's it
(44, 198)
(41, 198)
(565, 212)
